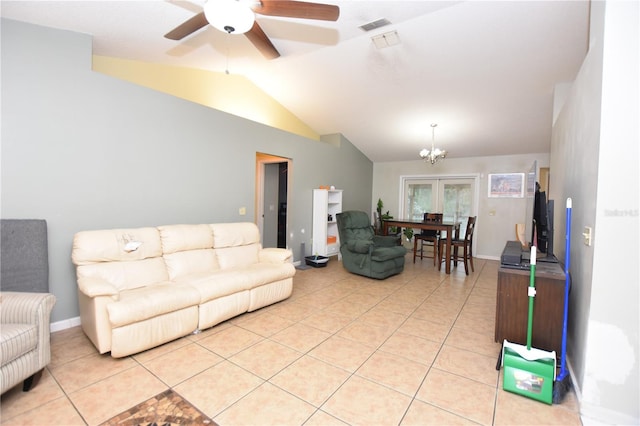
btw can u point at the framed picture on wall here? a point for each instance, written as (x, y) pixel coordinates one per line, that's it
(506, 185)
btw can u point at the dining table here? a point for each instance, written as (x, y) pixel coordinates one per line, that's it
(451, 228)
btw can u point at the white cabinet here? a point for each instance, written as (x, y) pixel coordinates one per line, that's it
(326, 204)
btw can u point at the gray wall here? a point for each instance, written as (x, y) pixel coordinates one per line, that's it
(87, 151)
(594, 160)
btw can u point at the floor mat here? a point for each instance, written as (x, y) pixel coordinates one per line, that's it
(165, 409)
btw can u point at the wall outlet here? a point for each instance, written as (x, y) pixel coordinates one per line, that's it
(242, 211)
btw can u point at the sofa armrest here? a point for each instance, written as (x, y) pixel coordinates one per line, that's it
(360, 246)
(93, 287)
(385, 240)
(30, 308)
(275, 255)
(26, 308)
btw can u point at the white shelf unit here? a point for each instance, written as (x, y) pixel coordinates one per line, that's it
(326, 202)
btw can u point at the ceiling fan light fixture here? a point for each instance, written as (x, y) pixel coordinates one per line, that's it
(229, 16)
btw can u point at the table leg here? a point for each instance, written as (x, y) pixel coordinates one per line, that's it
(447, 267)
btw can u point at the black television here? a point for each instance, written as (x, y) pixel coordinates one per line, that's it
(532, 179)
(542, 226)
(539, 220)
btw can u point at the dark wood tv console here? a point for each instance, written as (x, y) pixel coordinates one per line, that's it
(512, 305)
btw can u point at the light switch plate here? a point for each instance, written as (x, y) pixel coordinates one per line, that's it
(587, 235)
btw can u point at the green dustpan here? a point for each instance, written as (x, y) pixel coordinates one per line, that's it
(528, 371)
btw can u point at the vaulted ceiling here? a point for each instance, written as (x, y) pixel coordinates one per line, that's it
(485, 72)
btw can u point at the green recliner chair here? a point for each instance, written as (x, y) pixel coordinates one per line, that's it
(365, 253)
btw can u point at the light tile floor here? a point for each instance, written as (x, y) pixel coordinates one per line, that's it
(414, 349)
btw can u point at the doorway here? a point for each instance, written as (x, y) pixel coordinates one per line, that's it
(272, 193)
(454, 196)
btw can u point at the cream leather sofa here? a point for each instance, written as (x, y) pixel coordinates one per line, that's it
(139, 288)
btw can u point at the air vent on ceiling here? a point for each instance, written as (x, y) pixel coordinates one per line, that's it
(375, 24)
(385, 40)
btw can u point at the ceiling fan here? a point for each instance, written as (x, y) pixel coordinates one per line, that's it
(237, 17)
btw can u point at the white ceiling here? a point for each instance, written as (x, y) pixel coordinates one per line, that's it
(483, 71)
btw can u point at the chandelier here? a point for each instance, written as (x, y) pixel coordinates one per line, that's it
(229, 16)
(436, 153)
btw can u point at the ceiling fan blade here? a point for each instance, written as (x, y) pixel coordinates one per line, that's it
(298, 9)
(261, 41)
(190, 26)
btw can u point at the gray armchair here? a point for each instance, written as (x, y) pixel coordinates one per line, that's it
(25, 304)
(365, 253)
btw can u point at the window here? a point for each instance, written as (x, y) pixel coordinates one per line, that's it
(455, 197)
(419, 198)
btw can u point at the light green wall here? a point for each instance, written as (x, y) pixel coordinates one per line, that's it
(88, 151)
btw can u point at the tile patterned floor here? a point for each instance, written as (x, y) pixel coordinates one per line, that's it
(414, 349)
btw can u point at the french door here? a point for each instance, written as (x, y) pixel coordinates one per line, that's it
(455, 197)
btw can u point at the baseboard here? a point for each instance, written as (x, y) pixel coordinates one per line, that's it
(487, 257)
(592, 415)
(64, 324)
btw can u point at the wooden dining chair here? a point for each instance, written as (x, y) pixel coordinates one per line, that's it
(429, 237)
(465, 243)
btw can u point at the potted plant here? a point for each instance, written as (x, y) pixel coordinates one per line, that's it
(382, 217)
(408, 232)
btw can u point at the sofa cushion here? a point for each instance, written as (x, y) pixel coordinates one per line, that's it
(381, 254)
(275, 255)
(16, 340)
(126, 275)
(238, 257)
(234, 234)
(217, 284)
(115, 245)
(25, 255)
(236, 244)
(356, 220)
(186, 263)
(364, 234)
(266, 273)
(176, 238)
(359, 246)
(147, 302)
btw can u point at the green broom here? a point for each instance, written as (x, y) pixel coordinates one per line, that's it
(528, 371)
